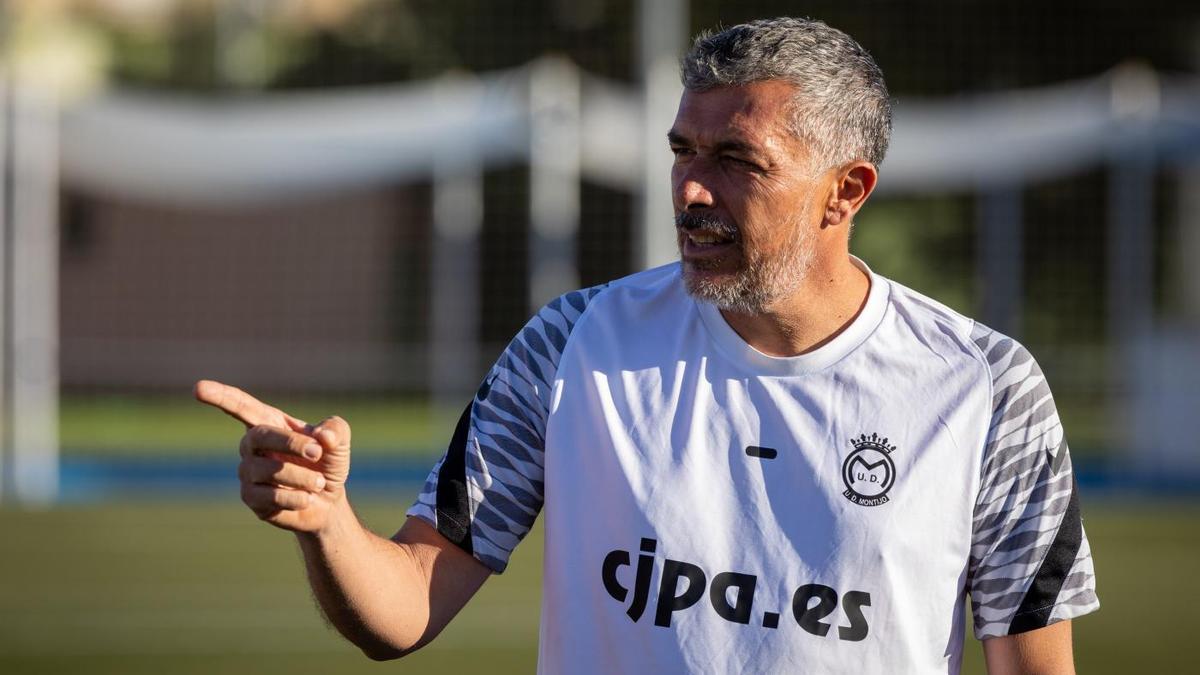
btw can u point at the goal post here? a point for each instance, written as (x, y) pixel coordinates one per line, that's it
(29, 284)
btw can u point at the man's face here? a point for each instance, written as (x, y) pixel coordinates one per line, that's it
(745, 199)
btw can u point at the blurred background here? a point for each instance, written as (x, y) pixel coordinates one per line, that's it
(350, 206)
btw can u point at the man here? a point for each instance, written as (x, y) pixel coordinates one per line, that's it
(765, 458)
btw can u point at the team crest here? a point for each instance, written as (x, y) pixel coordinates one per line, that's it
(869, 471)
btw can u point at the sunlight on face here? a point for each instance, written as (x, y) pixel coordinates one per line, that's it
(743, 188)
(759, 278)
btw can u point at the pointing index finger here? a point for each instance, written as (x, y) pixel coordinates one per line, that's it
(235, 403)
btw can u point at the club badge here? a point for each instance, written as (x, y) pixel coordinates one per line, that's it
(869, 471)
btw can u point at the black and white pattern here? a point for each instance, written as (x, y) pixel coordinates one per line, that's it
(623, 416)
(487, 490)
(1030, 564)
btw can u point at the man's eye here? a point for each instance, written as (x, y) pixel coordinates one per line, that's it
(743, 163)
(679, 152)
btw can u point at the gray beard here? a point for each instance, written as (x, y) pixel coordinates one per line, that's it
(761, 282)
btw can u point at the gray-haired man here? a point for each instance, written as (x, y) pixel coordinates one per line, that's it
(765, 458)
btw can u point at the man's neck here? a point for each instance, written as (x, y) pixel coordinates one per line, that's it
(828, 301)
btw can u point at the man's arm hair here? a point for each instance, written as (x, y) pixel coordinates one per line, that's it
(1045, 651)
(388, 596)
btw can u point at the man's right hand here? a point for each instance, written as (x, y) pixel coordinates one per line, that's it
(292, 473)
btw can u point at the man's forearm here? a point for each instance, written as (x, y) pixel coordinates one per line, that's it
(373, 590)
(386, 596)
(1045, 651)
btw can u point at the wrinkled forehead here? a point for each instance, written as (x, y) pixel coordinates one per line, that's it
(760, 112)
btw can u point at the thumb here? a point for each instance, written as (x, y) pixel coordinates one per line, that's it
(298, 425)
(333, 433)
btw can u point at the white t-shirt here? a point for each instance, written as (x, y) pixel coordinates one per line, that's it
(712, 509)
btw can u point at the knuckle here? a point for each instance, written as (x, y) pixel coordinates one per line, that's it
(290, 498)
(296, 443)
(338, 426)
(332, 422)
(267, 471)
(281, 474)
(252, 497)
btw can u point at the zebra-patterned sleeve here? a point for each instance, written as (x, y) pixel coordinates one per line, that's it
(1030, 564)
(486, 491)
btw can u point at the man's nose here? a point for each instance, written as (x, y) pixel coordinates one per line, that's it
(692, 192)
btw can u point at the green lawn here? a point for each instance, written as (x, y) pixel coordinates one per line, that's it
(179, 426)
(164, 425)
(201, 588)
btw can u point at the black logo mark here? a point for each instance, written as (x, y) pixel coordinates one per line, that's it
(759, 451)
(869, 471)
(672, 598)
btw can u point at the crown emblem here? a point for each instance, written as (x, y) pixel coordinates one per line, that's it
(868, 471)
(872, 442)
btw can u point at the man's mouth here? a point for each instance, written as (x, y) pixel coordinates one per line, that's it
(704, 238)
(704, 249)
(704, 235)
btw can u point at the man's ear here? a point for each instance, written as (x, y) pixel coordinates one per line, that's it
(854, 183)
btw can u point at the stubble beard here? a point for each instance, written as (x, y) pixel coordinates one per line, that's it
(761, 279)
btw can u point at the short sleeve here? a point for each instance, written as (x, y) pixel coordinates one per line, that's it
(486, 491)
(1030, 563)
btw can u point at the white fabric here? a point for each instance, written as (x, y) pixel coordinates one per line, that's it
(640, 405)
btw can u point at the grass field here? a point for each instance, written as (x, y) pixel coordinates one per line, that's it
(174, 426)
(167, 426)
(202, 588)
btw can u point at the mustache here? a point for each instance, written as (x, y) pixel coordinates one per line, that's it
(707, 222)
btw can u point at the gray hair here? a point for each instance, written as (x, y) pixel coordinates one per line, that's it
(841, 107)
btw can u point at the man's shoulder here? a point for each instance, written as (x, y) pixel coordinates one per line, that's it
(941, 328)
(937, 326)
(647, 282)
(639, 288)
(920, 309)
